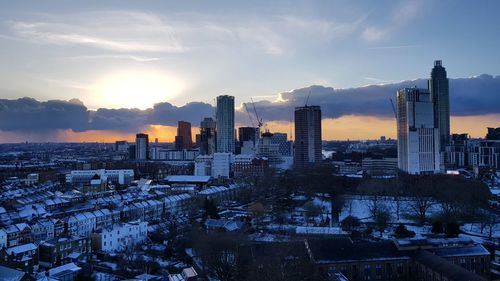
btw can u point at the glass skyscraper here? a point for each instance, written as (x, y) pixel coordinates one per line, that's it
(225, 124)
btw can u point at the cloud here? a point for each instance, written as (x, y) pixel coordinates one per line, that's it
(27, 114)
(404, 13)
(474, 96)
(478, 95)
(130, 32)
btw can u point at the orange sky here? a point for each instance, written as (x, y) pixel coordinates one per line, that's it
(346, 127)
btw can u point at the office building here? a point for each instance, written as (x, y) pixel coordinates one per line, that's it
(285, 146)
(307, 136)
(439, 91)
(207, 136)
(141, 147)
(183, 140)
(418, 136)
(248, 138)
(268, 150)
(121, 146)
(225, 124)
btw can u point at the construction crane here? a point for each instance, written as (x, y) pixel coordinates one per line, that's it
(259, 120)
(308, 95)
(249, 115)
(393, 108)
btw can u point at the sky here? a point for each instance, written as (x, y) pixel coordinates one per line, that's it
(104, 70)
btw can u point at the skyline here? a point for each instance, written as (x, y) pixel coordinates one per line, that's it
(170, 61)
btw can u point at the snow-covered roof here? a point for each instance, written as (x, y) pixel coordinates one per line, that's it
(188, 178)
(60, 270)
(21, 249)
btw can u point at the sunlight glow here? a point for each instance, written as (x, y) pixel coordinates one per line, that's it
(136, 89)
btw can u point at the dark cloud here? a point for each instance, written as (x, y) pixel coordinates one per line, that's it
(468, 96)
(27, 114)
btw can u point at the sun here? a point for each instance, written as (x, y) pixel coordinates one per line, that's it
(136, 89)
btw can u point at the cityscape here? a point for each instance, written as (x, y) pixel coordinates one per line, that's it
(385, 181)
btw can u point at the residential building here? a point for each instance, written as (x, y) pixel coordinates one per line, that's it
(203, 165)
(221, 165)
(120, 236)
(141, 146)
(307, 136)
(114, 176)
(62, 250)
(225, 124)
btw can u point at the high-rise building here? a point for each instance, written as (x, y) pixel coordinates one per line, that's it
(269, 150)
(225, 124)
(183, 140)
(248, 134)
(248, 138)
(207, 136)
(418, 136)
(281, 139)
(440, 96)
(141, 146)
(307, 136)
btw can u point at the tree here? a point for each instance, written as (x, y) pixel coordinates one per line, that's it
(437, 227)
(382, 217)
(452, 229)
(402, 232)
(350, 224)
(422, 190)
(311, 210)
(211, 209)
(258, 210)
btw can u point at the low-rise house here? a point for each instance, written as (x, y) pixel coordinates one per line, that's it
(17, 234)
(179, 204)
(3, 238)
(42, 230)
(103, 218)
(81, 224)
(11, 274)
(23, 256)
(66, 272)
(63, 250)
(119, 236)
(187, 274)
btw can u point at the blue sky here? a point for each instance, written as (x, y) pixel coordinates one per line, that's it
(116, 54)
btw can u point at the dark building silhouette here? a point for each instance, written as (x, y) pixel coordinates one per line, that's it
(493, 134)
(439, 90)
(141, 147)
(183, 140)
(207, 136)
(307, 136)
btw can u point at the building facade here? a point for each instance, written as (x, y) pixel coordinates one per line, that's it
(141, 147)
(440, 96)
(207, 136)
(307, 136)
(183, 140)
(225, 124)
(418, 136)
